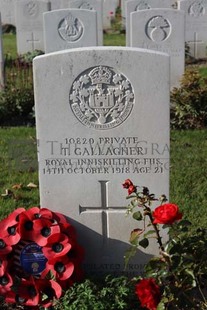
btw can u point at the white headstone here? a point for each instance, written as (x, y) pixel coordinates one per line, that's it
(64, 4)
(1, 59)
(69, 28)
(109, 12)
(7, 12)
(29, 24)
(99, 123)
(56, 4)
(96, 5)
(138, 5)
(195, 26)
(161, 30)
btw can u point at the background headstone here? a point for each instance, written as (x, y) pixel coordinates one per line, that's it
(29, 24)
(161, 30)
(55, 4)
(138, 5)
(7, 12)
(109, 11)
(69, 28)
(1, 59)
(96, 5)
(195, 26)
(99, 123)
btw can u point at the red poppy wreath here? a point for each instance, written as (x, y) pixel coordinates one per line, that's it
(39, 257)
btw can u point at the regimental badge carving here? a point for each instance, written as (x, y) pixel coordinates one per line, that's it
(158, 29)
(196, 9)
(86, 6)
(143, 5)
(101, 97)
(31, 8)
(70, 28)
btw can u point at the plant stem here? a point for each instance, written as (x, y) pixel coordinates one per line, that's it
(159, 238)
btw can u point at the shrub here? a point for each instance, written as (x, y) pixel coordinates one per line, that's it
(116, 22)
(16, 106)
(188, 103)
(100, 294)
(28, 57)
(17, 98)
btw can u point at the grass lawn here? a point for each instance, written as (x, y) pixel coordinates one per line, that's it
(18, 168)
(9, 44)
(188, 182)
(203, 71)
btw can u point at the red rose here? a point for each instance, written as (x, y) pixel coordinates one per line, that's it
(167, 214)
(132, 189)
(148, 293)
(127, 183)
(130, 186)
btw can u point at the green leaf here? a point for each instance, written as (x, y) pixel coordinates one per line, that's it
(184, 224)
(144, 243)
(135, 235)
(150, 232)
(192, 277)
(131, 196)
(129, 254)
(161, 306)
(137, 216)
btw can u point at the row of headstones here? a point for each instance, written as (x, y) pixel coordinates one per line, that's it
(7, 9)
(195, 22)
(141, 29)
(154, 29)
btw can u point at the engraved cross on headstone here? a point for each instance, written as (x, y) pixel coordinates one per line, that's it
(195, 43)
(32, 41)
(104, 209)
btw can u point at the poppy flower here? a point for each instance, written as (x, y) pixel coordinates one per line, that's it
(69, 230)
(26, 294)
(45, 213)
(4, 248)
(61, 267)
(5, 283)
(58, 245)
(3, 265)
(65, 226)
(60, 218)
(26, 222)
(37, 228)
(9, 232)
(13, 217)
(43, 229)
(48, 290)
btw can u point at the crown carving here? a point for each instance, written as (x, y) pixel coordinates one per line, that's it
(100, 75)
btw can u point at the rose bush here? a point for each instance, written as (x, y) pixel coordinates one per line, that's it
(177, 278)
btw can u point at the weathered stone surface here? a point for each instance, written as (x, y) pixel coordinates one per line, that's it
(69, 28)
(98, 123)
(161, 30)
